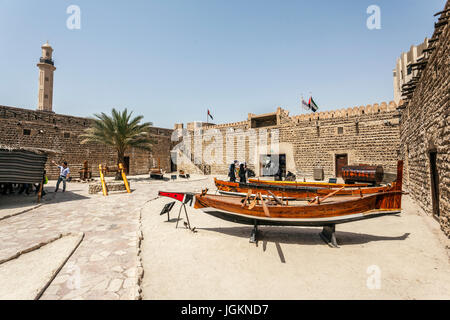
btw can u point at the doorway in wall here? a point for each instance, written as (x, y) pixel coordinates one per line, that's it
(341, 161)
(173, 161)
(126, 164)
(434, 182)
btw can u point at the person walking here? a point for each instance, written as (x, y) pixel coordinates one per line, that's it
(232, 173)
(242, 174)
(63, 175)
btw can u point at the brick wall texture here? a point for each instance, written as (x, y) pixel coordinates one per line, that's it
(425, 128)
(62, 134)
(368, 135)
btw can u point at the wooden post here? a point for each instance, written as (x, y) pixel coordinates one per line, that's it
(40, 192)
(102, 179)
(124, 177)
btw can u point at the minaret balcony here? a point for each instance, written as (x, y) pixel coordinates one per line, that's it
(47, 61)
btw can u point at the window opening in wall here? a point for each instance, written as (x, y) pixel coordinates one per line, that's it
(409, 69)
(66, 135)
(340, 130)
(26, 132)
(264, 121)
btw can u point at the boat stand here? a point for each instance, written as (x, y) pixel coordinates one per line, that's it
(328, 235)
(188, 224)
(254, 233)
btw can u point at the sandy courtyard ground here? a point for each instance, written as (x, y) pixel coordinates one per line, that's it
(393, 257)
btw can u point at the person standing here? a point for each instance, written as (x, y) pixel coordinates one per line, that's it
(242, 174)
(63, 175)
(232, 173)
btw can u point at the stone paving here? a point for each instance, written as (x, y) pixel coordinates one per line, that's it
(106, 264)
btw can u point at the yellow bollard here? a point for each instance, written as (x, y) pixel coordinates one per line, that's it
(124, 177)
(102, 179)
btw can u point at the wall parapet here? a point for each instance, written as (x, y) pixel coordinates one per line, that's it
(348, 112)
(22, 114)
(369, 109)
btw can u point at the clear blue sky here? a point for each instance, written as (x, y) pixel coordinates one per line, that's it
(171, 60)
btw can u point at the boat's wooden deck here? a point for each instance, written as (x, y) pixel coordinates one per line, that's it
(237, 200)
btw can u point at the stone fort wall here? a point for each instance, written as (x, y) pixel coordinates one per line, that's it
(425, 128)
(29, 128)
(367, 134)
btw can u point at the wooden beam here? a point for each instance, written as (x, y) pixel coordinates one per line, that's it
(441, 12)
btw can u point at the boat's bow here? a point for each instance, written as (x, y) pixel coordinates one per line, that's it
(184, 197)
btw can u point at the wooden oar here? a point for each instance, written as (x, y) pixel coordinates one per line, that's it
(266, 210)
(246, 198)
(327, 196)
(275, 198)
(253, 203)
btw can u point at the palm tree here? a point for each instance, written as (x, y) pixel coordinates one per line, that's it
(120, 132)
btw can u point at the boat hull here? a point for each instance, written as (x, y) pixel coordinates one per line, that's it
(311, 222)
(328, 209)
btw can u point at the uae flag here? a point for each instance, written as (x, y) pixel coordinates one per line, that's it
(209, 115)
(305, 105)
(312, 105)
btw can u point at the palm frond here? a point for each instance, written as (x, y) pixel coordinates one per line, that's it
(120, 131)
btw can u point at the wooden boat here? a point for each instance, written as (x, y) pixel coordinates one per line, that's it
(296, 189)
(330, 211)
(306, 184)
(326, 212)
(292, 191)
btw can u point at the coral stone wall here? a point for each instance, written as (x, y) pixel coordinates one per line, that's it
(425, 127)
(367, 134)
(29, 128)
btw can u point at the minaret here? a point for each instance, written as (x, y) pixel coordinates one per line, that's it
(46, 69)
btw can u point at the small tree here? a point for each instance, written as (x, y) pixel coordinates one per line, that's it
(120, 132)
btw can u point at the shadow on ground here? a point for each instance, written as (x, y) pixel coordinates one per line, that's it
(53, 197)
(17, 201)
(303, 235)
